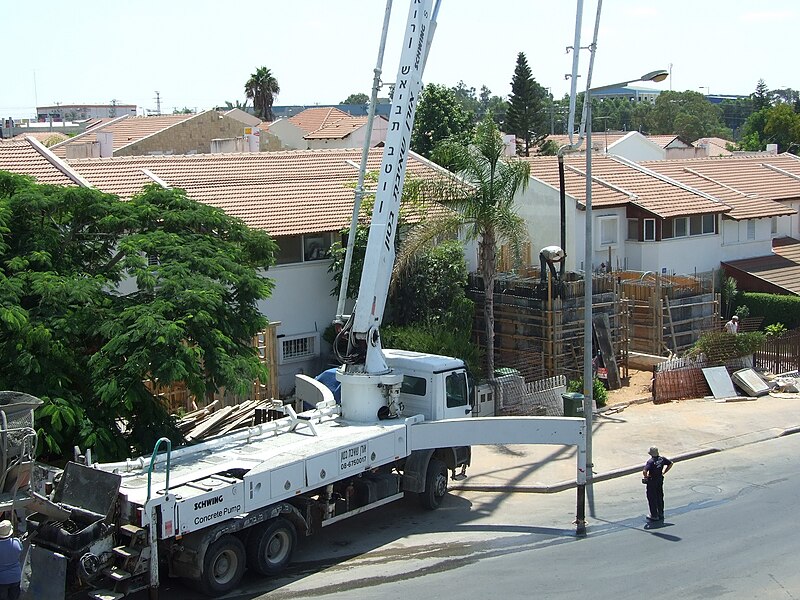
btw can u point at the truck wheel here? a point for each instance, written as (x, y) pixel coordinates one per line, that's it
(435, 485)
(223, 566)
(270, 546)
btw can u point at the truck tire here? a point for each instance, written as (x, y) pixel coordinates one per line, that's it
(223, 566)
(270, 546)
(435, 485)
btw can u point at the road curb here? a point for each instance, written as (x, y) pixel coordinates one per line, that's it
(565, 485)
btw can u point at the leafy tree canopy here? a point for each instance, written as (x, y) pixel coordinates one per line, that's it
(356, 99)
(688, 114)
(99, 295)
(439, 116)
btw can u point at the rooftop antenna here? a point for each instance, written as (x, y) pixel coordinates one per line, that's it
(158, 103)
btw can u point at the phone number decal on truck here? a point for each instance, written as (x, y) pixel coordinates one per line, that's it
(352, 457)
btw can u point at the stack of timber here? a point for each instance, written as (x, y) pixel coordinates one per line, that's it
(212, 420)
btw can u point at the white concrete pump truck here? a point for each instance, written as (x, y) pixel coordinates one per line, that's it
(207, 512)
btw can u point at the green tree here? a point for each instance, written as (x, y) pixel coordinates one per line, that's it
(183, 111)
(782, 127)
(761, 97)
(262, 87)
(72, 335)
(688, 114)
(734, 114)
(527, 115)
(236, 104)
(356, 99)
(480, 195)
(439, 116)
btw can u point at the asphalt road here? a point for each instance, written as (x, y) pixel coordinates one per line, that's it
(726, 535)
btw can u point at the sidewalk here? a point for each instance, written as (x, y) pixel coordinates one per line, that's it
(622, 435)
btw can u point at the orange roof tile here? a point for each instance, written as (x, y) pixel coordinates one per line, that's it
(617, 182)
(781, 268)
(312, 119)
(126, 129)
(29, 157)
(337, 130)
(284, 193)
(753, 186)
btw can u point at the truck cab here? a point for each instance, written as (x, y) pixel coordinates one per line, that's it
(436, 387)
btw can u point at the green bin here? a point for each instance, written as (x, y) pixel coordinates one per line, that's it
(573, 404)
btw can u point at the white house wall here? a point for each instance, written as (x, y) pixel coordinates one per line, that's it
(539, 206)
(735, 244)
(302, 302)
(289, 134)
(634, 147)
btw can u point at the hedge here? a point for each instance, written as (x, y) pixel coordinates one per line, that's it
(774, 308)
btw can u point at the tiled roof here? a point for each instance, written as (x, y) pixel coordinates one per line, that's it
(29, 157)
(665, 140)
(312, 119)
(618, 182)
(283, 193)
(781, 269)
(751, 185)
(337, 130)
(126, 129)
(715, 146)
(43, 136)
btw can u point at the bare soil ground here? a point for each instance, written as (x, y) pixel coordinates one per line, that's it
(635, 387)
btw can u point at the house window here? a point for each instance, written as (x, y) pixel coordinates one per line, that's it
(608, 231)
(681, 228)
(773, 225)
(709, 223)
(633, 230)
(294, 348)
(751, 229)
(649, 230)
(303, 248)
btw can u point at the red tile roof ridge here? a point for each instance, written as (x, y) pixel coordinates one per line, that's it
(88, 131)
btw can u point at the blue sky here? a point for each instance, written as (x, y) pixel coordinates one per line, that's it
(200, 53)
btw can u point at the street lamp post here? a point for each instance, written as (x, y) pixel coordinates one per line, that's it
(588, 375)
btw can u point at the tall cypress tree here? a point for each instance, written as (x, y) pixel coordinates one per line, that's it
(527, 115)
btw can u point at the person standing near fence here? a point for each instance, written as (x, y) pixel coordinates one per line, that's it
(732, 326)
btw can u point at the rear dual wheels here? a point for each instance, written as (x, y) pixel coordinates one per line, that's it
(270, 546)
(223, 566)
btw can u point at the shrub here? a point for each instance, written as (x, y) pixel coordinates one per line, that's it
(599, 391)
(720, 347)
(774, 308)
(776, 329)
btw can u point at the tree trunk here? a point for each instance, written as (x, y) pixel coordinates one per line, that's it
(489, 272)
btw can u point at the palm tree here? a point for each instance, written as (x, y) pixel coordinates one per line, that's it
(480, 193)
(262, 87)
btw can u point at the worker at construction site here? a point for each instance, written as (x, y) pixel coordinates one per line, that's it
(732, 326)
(548, 256)
(10, 569)
(653, 475)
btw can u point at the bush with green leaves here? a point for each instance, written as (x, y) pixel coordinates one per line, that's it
(775, 308)
(599, 391)
(775, 329)
(720, 347)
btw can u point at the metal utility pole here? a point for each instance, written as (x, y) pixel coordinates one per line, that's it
(158, 103)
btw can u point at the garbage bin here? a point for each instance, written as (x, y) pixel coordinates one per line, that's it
(573, 404)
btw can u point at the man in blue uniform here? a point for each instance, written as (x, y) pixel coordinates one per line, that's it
(10, 569)
(653, 474)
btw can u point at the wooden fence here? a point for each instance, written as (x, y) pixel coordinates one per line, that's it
(177, 396)
(779, 354)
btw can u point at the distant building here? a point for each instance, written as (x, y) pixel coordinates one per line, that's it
(720, 98)
(78, 112)
(356, 110)
(630, 92)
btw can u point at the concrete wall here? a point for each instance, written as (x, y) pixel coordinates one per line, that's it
(189, 137)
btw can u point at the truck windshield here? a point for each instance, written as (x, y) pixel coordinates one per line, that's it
(456, 388)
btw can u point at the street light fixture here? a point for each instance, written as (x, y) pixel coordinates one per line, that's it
(588, 375)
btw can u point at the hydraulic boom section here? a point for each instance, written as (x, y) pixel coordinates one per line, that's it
(369, 387)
